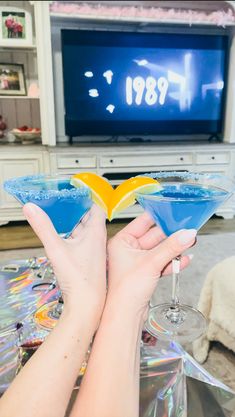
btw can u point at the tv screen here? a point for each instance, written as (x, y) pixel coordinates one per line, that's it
(126, 83)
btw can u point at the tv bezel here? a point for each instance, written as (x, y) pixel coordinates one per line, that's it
(75, 128)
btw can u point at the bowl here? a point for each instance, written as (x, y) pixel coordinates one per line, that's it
(26, 136)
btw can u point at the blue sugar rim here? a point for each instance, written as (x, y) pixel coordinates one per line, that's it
(186, 175)
(13, 186)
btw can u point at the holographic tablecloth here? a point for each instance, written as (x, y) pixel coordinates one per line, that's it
(21, 294)
(173, 384)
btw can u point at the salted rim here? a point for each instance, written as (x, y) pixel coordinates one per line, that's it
(187, 175)
(13, 186)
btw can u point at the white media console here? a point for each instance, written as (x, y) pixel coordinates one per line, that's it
(115, 162)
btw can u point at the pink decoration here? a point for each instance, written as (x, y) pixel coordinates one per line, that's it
(33, 90)
(136, 13)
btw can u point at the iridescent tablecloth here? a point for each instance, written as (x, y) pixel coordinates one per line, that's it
(21, 294)
(173, 384)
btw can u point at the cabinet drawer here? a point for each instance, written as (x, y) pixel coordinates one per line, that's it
(15, 168)
(73, 161)
(146, 160)
(213, 158)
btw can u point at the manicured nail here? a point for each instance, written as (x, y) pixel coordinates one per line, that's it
(186, 236)
(190, 256)
(31, 209)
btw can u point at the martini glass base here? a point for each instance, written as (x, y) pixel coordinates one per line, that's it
(182, 323)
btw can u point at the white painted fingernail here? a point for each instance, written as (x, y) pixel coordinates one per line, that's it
(186, 236)
(31, 209)
(190, 256)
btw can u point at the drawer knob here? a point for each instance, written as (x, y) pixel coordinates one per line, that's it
(181, 158)
(77, 161)
(111, 161)
(213, 157)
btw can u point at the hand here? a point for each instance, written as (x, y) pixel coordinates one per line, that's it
(79, 262)
(139, 255)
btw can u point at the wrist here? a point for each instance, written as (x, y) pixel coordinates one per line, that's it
(125, 307)
(81, 313)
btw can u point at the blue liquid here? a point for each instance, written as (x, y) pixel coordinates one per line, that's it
(196, 206)
(63, 203)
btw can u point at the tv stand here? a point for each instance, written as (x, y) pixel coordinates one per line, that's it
(118, 162)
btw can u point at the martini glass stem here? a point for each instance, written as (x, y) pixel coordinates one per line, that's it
(175, 281)
(174, 314)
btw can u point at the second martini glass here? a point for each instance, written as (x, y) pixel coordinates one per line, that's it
(186, 201)
(63, 203)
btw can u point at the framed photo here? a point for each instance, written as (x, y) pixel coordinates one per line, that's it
(15, 27)
(12, 80)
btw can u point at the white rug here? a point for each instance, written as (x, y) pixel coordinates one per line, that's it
(209, 250)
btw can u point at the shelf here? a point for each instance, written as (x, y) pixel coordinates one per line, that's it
(141, 21)
(24, 97)
(26, 48)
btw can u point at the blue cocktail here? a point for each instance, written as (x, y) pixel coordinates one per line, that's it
(186, 201)
(63, 203)
(199, 204)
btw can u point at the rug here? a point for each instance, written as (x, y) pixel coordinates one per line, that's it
(209, 250)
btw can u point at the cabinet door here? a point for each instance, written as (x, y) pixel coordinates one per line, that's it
(10, 168)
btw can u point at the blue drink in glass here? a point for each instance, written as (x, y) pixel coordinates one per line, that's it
(182, 206)
(186, 201)
(63, 203)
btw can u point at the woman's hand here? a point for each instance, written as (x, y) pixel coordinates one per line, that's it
(138, 256)
(79, 262)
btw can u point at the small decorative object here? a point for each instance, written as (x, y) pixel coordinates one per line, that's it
(33, 90)
(26, 134)
(12, 80)
(15, 27)
(3, 127)
(219, 14)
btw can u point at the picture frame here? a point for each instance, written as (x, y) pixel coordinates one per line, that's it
(12, 80)
(15, 27)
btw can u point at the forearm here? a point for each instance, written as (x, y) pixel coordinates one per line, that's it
(110, 386)
(43, 387)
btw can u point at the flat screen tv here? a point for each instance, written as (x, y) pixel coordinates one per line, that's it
(128, 83)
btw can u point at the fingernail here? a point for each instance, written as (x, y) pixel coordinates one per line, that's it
(186, 236)
(31, 209)
(190, 256)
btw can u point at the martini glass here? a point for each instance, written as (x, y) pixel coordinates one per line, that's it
(187, 200)
(64, 204)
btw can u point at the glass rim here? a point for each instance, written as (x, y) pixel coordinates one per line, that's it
(13, 186)
(188, 175)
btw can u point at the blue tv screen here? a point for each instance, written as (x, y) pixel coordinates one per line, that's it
(126, 83)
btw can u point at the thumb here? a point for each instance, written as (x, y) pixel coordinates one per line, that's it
(171, 247)
(42, 226)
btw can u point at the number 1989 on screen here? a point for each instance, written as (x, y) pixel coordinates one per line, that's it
(150, 90)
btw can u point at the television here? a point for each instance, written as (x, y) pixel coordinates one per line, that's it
(129, 83)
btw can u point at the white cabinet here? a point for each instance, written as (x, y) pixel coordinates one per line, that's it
(114, 162)
(118, 162)
(16, 162)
